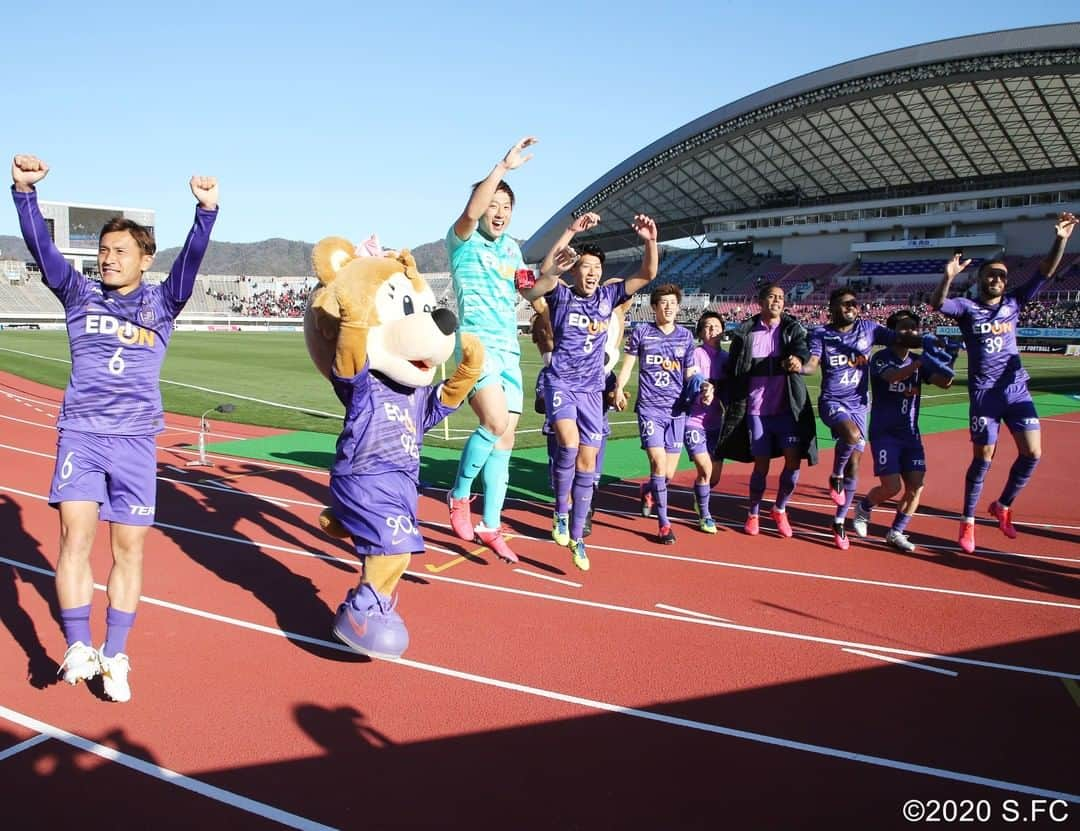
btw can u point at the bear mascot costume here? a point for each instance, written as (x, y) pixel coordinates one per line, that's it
(373, 329)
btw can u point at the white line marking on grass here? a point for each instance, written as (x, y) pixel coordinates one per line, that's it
(912, 664)
(691, 613)
(200, 389)
(16, 749)
(587, 703)
(171, 777)
(538, 576)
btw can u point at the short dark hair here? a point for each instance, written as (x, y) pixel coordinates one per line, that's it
(592, 250)
(663, 291)
(763, 292)
(503, 186)
(701, 322)
(984, 267)
(843, 291)
(901, 314)
(142, 235)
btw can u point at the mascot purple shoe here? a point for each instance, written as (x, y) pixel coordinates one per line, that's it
(373, 329)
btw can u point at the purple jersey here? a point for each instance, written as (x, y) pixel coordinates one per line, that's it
(580, 325)
(118, 341)
(384, 425)
(712, 364)
(662, 363)
(989, 334)
(895, 408)
(844, 357)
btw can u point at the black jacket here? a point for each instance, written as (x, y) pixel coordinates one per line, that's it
(734, 442)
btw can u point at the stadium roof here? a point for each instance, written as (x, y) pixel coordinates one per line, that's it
(985, 111)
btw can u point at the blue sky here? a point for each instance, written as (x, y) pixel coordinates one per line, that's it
(346, 118)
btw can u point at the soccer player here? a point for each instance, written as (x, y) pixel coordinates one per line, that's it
(580, 317)
(842, 349)
(706, 417)
(665, 351)
(483, 261)
(770, 412)
(896, 379)
(997, 381)
(106, 457)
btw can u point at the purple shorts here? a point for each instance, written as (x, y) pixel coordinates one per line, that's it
(379, 511)
(897, 455)
(834, 412)
(988, 408)
(771, 435)
(117, 472)
(699, 440)
(585, 409)
(662, 430)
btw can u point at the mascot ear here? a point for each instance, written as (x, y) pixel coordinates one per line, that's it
(329, 256)
(405, 257)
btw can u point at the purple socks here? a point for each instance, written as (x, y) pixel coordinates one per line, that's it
(117, 626)
(973, 483)
(788, 480)
(76, 623)
(1019, 474)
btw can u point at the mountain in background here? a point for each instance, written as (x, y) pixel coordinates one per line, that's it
(12, 248)
(271, 257)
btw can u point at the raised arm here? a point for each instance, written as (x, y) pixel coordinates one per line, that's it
(582, 223)
(561, 261)
(952, 268)
(185, 268)
(481, 197)
(26, 172)
(1063, 229)
(645, 228)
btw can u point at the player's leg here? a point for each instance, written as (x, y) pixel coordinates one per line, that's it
(1023, 423)
(850, 431)
(786, 437)
(77, 490)
(488, 401)
(696, 442)
(496, 472)
(849, 441)
(886, 455)
(985, 411)
(905, 509)
(129, 510)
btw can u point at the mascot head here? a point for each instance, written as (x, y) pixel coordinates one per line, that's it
(382, 295)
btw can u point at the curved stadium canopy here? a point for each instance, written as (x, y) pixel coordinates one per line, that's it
(985, 111)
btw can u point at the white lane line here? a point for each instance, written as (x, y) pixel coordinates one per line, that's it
(593, 704)
(912, 664)
(668, 608)
(649, 554)
(593, 604)
(538, 576)
(15, 749)
(111, 754)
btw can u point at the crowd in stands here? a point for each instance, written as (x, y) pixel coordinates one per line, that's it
(269, 303)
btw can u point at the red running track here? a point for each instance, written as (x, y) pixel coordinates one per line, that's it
(723, 681)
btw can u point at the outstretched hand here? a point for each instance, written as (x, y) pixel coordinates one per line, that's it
(584, 222)
(27, 171)
(955, 266)
(565, 258)
(1065, 224)
(513, 158)
(644, 227)
(205, 190)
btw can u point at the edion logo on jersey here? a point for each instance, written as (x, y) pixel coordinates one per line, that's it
(848, 360)
(580, 321)
(669, 364)
(995, 328)
(126, 332)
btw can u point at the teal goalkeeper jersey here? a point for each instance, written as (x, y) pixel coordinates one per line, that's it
(482, 272)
